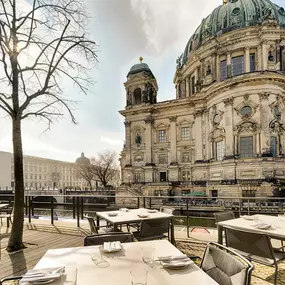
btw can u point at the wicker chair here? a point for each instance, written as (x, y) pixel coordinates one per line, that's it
(101, 238)
(226, 266)
(153, 229)
(255, 246)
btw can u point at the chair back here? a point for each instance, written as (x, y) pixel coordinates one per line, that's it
(101, 238)
(226, 266)
(224, 216)
(92, 225)
(167, 210)
(257, 244)
(154, 228)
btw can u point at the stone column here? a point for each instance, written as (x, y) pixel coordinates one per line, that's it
(218, 68)
(183, 88)
(264, 121)
(176, 87)
(148, 140)
(198, 135)
(173, 145)
(196, 78)
(128, 141)
(259, 58)
(187, 87)
(264, 56)
(213, 67)
(230, 148)
(206, 142)
(246, 60)
(229, 65)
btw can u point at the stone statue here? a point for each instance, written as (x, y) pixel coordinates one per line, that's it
(138, 139)
(270, 56)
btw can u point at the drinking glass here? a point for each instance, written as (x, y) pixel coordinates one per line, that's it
(147, 255)
(139, 276)
(98, 259)
(69, 277)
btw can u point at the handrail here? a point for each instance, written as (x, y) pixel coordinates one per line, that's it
(77, 205)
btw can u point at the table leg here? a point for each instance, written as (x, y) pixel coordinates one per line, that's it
(220, 234)
(172, 238)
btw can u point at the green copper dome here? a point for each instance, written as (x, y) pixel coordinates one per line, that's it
(236, 14)
(140, 67)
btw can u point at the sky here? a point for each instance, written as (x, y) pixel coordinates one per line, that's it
(124, 30)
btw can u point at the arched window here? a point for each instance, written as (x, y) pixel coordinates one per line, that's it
(137, 96)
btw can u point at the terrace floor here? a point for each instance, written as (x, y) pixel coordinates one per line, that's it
(39, 236)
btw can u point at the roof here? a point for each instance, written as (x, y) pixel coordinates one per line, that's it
(140, 67)
(83, 160)
(235, 14)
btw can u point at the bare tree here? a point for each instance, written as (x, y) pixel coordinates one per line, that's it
(85, 172)
(42, 45)
(105, 167)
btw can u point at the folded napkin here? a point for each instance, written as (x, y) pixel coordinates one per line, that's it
(112, 246)
(246, 217)
(179, 263)
(42, 274)
(262, 226)
(171, 258)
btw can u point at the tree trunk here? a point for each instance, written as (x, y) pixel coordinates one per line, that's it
(16, 237)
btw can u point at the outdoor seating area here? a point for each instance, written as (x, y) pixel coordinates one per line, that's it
(155, 247)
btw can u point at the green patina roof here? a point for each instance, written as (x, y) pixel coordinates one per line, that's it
(140, 67)
(236, 14)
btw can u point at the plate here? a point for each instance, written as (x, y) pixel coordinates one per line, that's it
(152, 211)
(249, 218)
(143, 215)
(112, 214)
(262, 226)
(42, 282)
(176, 264)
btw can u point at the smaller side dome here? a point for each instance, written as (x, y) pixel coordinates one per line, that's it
(140, 67)
(83, 160)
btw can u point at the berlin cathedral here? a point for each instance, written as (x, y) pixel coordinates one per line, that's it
(223, 133)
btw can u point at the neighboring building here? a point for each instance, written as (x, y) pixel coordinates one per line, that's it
(225, 128)
(40, 173)
(5, 170)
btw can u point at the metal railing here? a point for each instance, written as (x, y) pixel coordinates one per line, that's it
(189, 211)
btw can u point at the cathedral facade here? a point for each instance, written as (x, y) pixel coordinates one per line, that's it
(224, 132)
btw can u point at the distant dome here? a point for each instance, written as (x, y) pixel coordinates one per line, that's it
(235, 14)
(140, 67)
(82, 160)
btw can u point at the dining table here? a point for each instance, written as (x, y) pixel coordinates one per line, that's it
(122, 263)
(132, 216)
(3, 206)
(275, 230)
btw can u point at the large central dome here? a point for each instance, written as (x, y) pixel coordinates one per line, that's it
(236, 14)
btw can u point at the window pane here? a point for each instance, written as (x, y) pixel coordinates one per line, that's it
(223, 69)
(252, 62)
(162, 136)
(273, 146)
(185, 133)
(246, 146)
(138, 177)
(220, 150)
(237, 65)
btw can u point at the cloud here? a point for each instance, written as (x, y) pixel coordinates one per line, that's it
(111, 141)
